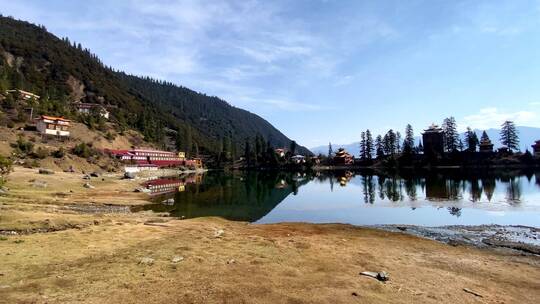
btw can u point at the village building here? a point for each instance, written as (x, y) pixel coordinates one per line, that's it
(433, 139)
(298, 159)
(485, 144)
(51, 125)
(88, 108)
(24, 94)
(342, 157)
(280, 152)
(147, 159)
(536, 148)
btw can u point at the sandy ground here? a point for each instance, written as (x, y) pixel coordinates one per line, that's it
(103, 256)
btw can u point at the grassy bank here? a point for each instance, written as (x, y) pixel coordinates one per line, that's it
(100, 254)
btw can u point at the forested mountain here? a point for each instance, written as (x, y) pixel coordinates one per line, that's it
(62, 72)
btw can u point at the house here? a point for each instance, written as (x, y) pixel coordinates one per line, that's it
(485, 143)
(145, 157)
(280, 152)
(536, 148)
(24, 94)
(51, 125)
(433, 139)
(298, 159)
(88, 108)
(343, 157)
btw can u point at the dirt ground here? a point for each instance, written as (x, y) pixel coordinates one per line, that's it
(106, 256)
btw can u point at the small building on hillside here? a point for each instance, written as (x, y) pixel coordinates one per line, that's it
(280, 152)
(536, 148)
(433, 139)
(485, 143)
(88, 108)
(298, 159)
(51, 125)
(24, 94)
(343, 157)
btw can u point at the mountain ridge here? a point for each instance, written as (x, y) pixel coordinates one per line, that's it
(35, 60)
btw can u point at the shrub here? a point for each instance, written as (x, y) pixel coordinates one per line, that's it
(23, 147)
(40, 153)
(60, 153)
(6, 166)
(84, 150)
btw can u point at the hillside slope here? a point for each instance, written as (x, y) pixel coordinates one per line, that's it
(63, 72)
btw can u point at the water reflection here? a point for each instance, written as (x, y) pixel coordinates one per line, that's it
(249, 196)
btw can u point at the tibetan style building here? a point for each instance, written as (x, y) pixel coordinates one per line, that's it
(145, 158)
(433, 139)
(342, 157)
(51, 125)
(485, 143)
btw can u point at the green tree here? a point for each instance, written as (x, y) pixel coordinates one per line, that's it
(293, 147)
(379, 146)
(451, 136)
(408, 142)
(509, 136)
(330, 150)
(6, 166)
(471, 140)
(369, 145)
(363, 150)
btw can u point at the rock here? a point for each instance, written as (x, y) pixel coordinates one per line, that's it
(219, 233)
(129, 175)
(45, 171)
(146, 261)
(381, 276)
(39, 184)
(86, 176)
(87, 185)
(177, 259)
(402, 228)
(95, 174)
(143, 190)
(354, 294)
(231, 261)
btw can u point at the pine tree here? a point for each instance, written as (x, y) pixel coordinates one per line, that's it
(330, 150)
(292, 147)
(363, 150)
(379, 146)
(369, 144)
(408, 143)
(451, 135)
(509, 136)
(471, 140)
(398, 142)
(389, 142)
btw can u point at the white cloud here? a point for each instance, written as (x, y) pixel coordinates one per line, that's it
(493, 118)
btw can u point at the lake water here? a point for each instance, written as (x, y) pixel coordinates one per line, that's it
(362, 198)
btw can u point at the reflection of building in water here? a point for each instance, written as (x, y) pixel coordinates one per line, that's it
(438, 188)
(344, 178)
(171, 185)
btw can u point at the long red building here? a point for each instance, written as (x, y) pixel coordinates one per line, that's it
(144, 157)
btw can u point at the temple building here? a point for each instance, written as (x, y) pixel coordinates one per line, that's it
(433, 139)
(342, 157)
(485, 143)
(24, 94)
(50, 125)
(88, 108)
(536, 148)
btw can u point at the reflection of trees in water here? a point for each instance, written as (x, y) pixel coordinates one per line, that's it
(513, 190)
(488, 185)
(455, 211)
(410, 188)
(368, 187)
(475, 190)
(392, 189)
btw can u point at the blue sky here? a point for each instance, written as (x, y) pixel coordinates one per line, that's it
(323, 71)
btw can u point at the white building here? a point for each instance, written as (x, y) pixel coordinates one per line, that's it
(24, 95)
(88, 108)
(50, 125)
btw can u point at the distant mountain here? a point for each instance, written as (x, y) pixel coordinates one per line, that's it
(62, 72)
(527, 136)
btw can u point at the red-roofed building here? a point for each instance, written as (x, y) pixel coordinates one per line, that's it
(144, 157)
(51, 125)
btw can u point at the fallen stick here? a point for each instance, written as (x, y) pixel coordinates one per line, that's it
(156, 224)
(473, 292)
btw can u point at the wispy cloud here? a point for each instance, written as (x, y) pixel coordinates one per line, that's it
(493, 118)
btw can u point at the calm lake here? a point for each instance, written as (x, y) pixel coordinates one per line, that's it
(361, 198)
